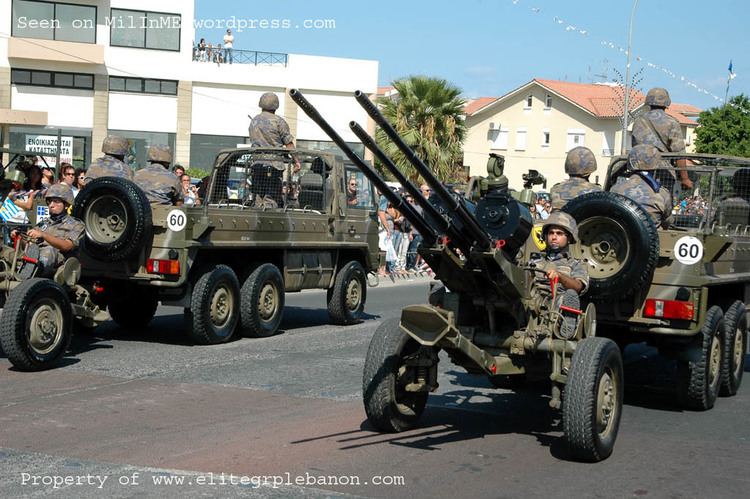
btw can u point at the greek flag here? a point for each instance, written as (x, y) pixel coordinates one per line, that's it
(42, 213)
(9, 210)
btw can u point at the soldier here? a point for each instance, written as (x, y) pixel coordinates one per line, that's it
(267, 129)
(559, 232)
(642, 185)
(160, 186)
(735, 209)
(111, 164)
(61, 234)
(579, 165)
(660, 130)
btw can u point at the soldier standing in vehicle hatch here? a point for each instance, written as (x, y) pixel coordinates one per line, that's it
(579, 165)
(160, 185)
(559, 232)
(660, 130)
(112, 163)
(643, 187)
(267, 129)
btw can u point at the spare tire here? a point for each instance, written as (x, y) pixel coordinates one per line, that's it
(618, 240)
(117, 216)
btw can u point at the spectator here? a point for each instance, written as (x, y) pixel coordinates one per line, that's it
(80, 180)
(32, 188)
(48, 176)
(202, 50)
(68, 176)
(210, 53)
(228, 46)
(190, 192)
(219, 54)
(179, 170)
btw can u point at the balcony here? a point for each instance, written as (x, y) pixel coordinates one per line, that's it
(252, 57)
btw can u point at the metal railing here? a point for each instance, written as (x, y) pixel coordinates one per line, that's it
(253, 57)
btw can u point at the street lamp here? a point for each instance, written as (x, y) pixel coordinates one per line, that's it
(626, 111)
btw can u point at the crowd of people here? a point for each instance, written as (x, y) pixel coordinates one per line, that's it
(222, 52)
(398, 238)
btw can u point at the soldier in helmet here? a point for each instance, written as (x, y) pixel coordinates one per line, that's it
(160, 185)
(579, 165)
(559, 232)
(267, 129)
(111, 164)
(660, 130)
(60, 234)
(642, 185)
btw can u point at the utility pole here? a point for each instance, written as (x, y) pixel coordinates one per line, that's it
(626, 111)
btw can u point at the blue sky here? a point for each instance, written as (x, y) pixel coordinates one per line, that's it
(489, 47)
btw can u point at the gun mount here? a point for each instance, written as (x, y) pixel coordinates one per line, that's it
(488, 314)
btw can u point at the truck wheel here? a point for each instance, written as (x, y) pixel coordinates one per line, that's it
(618, 240)
(214, 306)
(262, 297)
(133, 309)
(346, 299)
(36, 326)
(699, 379)
(592, 401)
(117, 215)
(733, 356)
(388, 405)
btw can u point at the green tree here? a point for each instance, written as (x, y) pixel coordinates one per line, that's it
(726, 129)
(427, 113)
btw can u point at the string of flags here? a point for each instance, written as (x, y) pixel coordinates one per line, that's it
(572, 28)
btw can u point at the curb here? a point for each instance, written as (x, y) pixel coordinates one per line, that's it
(396, 280)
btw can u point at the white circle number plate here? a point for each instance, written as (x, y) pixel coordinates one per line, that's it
(176, 220)
(688, 250)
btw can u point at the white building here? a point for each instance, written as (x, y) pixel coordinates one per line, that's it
(88, 68)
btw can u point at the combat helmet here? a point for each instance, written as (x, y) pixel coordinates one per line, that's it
(159, 153)
(269, 101)
(561, 219)
(62, 191)
(658, 97)
(115, 145)
(644, 157)
(580, 161)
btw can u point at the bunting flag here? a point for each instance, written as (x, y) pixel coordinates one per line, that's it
(9, 210)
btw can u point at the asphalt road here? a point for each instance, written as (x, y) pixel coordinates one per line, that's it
(130, 414)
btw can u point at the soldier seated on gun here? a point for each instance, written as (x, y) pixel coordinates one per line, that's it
(112, 163)
(579, 165)
(559, 232)
(642, 185)
(60, 235)
(160, 185)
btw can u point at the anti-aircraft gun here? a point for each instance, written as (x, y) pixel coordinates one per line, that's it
(487, 315)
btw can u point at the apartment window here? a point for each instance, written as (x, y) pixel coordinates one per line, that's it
(142, 85)
(545, 138)
(529, 101)
(521, 140)
(576, 138)
(548, 102)
(51, 79)
(146, 30)
(54, 21)
(500, 140)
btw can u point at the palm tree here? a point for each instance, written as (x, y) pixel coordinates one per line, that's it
(427, 113)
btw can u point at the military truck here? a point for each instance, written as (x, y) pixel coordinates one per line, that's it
(273, 221)
(653, 285)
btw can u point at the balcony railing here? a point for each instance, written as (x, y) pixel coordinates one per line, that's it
(253, 57)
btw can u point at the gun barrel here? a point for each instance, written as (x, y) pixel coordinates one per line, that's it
(427, 232)
(473, 227)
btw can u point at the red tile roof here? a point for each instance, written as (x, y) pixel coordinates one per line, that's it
(474, 105)
(384, 90)
(601, 100)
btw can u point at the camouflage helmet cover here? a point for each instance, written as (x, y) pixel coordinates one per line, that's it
(62, 191)
(580, 161)
(269, 101)
(644, 157)
(114, 144)
(159, 153)
(561, 219)
(658, 97)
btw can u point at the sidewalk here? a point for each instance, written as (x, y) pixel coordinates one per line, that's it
(396, 279)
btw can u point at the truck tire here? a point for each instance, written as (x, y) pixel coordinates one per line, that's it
(133, 308)
(735, 347)
(619, 241)
(262, 298)
(36, 326)
(117, 215)
(389, 407)
(214, 306)
(592, 400)
(698, 380)
(346, 299)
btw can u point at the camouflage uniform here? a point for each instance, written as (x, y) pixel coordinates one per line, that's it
(63, 226)
(579, 164)
(564, 263)
(160, 185)
(108, 165)
(269, 130)
(645, 158)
